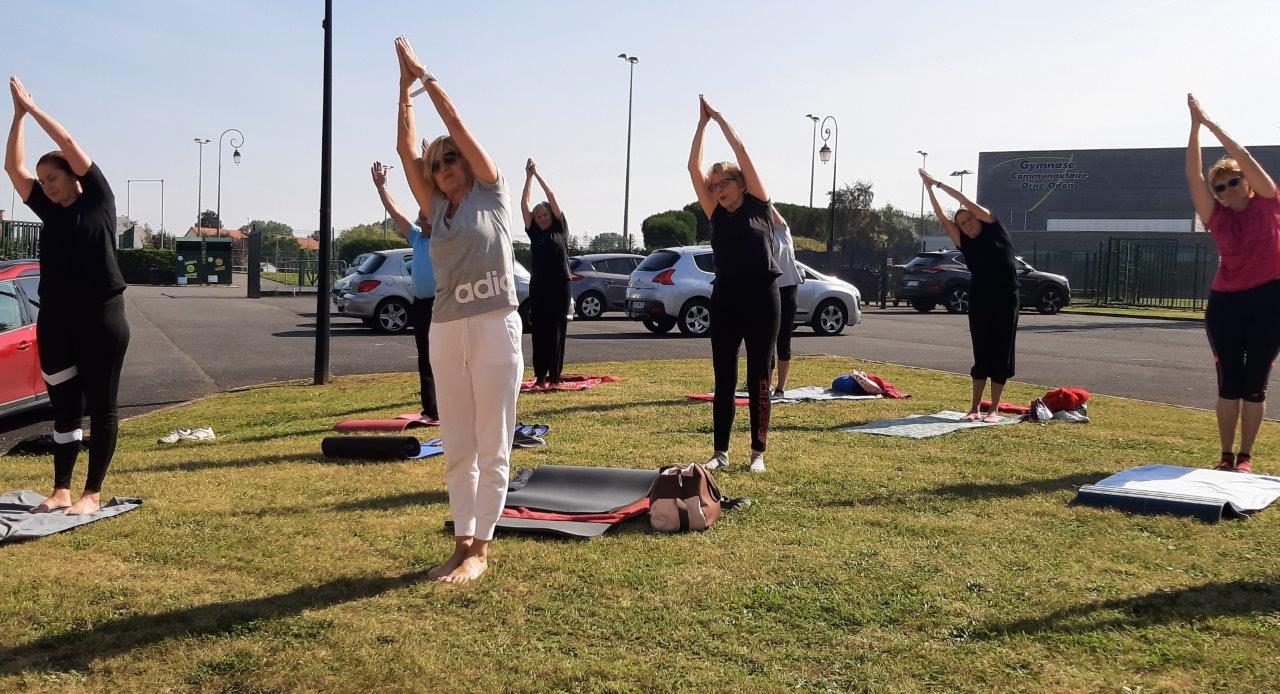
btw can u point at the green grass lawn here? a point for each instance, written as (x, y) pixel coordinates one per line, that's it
(1137, 312)
(289, 278)
(952, 563)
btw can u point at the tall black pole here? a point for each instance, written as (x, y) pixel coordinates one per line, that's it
(835, 160)
(626, 195)
(326, 232)
(204, 245)
(236, 146)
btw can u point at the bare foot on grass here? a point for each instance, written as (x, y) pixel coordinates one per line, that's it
(469, 570)
(88, 503)
(459, 553)
(991, 418)
(58, 500)
(972, 416)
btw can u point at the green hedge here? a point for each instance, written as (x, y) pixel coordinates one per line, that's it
(136, 264)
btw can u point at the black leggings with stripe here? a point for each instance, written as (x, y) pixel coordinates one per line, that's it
(1244, 334)
(81, 355)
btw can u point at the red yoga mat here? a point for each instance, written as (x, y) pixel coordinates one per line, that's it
(402, 422)
(569, 382)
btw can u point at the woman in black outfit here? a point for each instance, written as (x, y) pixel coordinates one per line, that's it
(993, 292)
(549, 281)
(744, 298)
(81, 329)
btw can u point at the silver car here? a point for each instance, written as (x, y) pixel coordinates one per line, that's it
(380, 291)
(599, 282)
(672, 287)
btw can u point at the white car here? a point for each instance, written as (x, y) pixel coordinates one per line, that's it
(672, 287)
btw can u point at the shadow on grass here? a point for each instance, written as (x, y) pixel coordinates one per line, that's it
(971, 491)
(255, 461)
(78, 649)
(610, 407)
(1178, 606)
(378, 503)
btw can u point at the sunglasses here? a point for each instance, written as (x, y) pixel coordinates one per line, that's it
(721, 184)
(1232, 182)
(448, 159)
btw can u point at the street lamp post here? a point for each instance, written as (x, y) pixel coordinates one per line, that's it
(626, 195)
(813, 147)
(388, 167)
(924, 164)
(832, 155)
(235, 144)
(961, 173)
(200, 208)
(128, 200)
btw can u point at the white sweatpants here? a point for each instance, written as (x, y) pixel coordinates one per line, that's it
(478, 364)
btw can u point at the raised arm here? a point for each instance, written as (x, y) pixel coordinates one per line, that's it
(379, 174)
(407, 140)
(952, 229)
(546, 190)
(978, 211)
(750, 177)
(695, 162)
(14, 155)
(76, 157)
(1201, 197)
(1258, 178)
(525, 209)
(481, 163)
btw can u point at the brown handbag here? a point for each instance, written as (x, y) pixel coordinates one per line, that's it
(684, 498)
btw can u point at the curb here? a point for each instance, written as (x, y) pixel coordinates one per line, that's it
(1110, 314)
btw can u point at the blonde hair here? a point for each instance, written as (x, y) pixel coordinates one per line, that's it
(727, 169)
(433, 151)
(1225, 164)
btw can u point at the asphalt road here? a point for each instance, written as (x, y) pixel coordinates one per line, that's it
(192, 341)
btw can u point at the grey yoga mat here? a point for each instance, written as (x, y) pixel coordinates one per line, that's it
(17, 523)
(573, 489)
(923, 426)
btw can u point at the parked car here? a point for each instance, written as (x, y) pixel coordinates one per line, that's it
(599, 282)
(22, 385)
(941, 277)
(672, 288)
(380, 291)
(355, 264)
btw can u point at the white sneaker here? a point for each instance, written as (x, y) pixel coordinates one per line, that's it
(174, 436)
(757, 462)
(719, 460)
(202, 434)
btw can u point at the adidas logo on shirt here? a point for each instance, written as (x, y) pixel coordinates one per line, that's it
(492, 284)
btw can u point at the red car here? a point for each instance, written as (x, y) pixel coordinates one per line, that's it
(21, 384)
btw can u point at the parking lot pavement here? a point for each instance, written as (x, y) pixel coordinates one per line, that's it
(193, 341)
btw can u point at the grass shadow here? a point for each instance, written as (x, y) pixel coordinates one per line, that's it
(971, 491)
(79, 649)
(1178, 606)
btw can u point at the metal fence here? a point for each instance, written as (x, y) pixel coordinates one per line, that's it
(19, 239)
(1159, 273)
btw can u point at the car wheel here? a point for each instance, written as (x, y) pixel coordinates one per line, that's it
(923, 306)
(695, 318)
(957, 300)
(1051, 300)
(391, 316)
(830, 318)
(659, 326)
(590, 305)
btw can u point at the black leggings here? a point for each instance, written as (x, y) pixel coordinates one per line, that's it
(420, 314)
(1244, 334)
(737, 316)
(993, 329)
(550, 322)
(786, 320)
(81, 355)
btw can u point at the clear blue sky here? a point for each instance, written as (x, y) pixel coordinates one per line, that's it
(136, 80)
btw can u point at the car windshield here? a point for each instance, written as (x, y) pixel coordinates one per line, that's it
(659, 260)
(925, 260)
(371, 264)
(574, 264)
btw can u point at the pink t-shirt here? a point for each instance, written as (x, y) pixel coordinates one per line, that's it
(1248, 244)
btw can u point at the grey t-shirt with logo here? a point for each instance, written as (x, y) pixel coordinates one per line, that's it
(471, 253)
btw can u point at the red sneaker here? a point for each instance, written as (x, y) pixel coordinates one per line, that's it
(1228, 461)
(1244, 463)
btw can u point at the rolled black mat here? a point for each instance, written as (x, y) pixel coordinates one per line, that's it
(1152, 502)
(370, 447)
(572, 489)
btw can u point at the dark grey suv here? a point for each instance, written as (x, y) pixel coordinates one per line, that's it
(941, 277)
(599, 282)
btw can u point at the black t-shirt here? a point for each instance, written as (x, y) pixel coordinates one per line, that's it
(78, 245)
(741, 242)
(989, 256)
(550, 250)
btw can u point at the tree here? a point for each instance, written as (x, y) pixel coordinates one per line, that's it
(670, 228)
(209, 220)
(702, 228)
(607, 242)
(364, 238)
(269, 228)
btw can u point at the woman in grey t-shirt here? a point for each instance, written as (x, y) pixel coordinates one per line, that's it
(475, 336)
